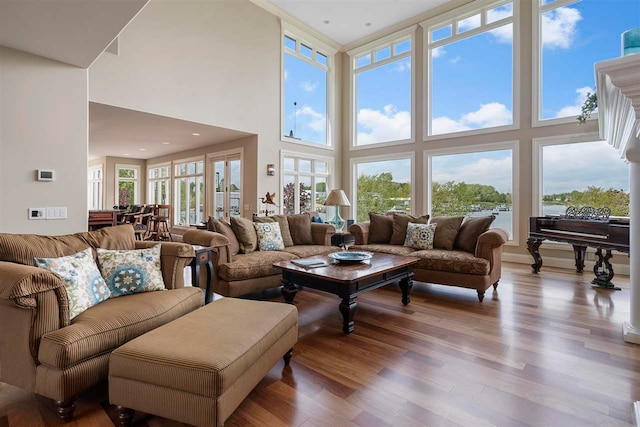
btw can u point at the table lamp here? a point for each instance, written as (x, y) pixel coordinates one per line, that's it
(337, 198)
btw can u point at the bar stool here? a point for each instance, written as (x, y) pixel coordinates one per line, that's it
(160, 228)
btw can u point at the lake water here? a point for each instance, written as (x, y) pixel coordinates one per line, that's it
(504, 219)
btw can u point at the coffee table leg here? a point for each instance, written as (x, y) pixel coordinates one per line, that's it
(405, 286)
(348, 308)
(288, 291)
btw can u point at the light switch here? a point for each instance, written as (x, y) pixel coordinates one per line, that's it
(37, 213)
(57, 213)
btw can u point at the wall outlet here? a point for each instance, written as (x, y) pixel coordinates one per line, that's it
(57, 213)
(37, 213)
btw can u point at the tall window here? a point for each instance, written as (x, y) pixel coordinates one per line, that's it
(306, 88)
(470, 75)
(305, 184)
(596, 175)
(127, 184)
(189, 188)
(578, 33)
(474, 183)
(382, 186)
(382, 80)
(159, 179)
(95, 188)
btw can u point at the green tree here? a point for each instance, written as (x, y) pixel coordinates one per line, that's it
(380, 193)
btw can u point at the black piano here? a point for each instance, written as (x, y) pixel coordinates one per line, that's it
(604, 235)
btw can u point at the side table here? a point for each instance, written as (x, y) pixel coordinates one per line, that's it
(203, 257)
(342, 239)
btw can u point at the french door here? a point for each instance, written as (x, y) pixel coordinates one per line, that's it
(226, 176)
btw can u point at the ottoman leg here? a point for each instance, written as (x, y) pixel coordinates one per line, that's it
(125, 416)
(287, 357)
(65, 409)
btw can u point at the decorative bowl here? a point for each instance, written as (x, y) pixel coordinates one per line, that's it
(350, 257)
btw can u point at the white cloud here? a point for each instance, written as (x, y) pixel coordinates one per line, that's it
(503, 34)
(403, 65)
(488, 115)
(499, 13)
(576, 108)
(308, 86)
(455, 60)
(438, 52)
(286, 75)
(486, 171)
(314, 120)
(387, 125)
(469, 23)
(559, 27)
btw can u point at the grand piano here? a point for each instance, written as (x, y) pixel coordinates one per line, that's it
(604, 235)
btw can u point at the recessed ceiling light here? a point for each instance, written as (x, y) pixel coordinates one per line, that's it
(143, 149)
(195, 134)
(125, 154)
(326, 21)
(166, 143)
(367, 24)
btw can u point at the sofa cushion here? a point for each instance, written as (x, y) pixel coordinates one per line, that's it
(420, 236)
(130, 272)
(112, 323)
(224, 228)
(269, 236)
(399, 227)
(253, 265)
(23, 248)
(470, 230)
(387, 249)
(284, 227)
(303, 251)
(245, 233)
(446, 231)
(451, 261)
(380, 228)
(300, 227)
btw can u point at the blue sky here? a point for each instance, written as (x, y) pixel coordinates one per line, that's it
(472, 88)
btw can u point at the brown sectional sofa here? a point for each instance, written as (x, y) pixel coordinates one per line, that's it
(243, 273)
(478, 270)
(41, 349)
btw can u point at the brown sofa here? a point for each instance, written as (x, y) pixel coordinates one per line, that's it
(240, 274)
(41, 349)
(478, 270)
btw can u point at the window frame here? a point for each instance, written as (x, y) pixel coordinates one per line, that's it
(353, 164)
(150, 180)
(297, 156)
(100, 197)
(176, 177)
(513, 145)
(452, 17)
(136, 182)
(301, 37)
(210, 190)
(387, 41)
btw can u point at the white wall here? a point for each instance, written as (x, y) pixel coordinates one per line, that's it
(216, 63)
(43, 124)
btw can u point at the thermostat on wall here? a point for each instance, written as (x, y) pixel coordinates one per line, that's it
(45, 175)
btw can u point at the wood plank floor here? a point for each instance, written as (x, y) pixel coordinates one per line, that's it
(543, 350)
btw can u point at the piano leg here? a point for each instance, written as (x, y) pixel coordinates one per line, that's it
(533, 245)
(579, 252)
(604, 276)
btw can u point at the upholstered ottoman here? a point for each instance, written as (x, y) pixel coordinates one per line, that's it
(200, 367)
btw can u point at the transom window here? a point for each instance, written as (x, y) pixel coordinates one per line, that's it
(159, 179)
(304, 183)
(470, 75)
(306, 86)
(382, 80)
(189, 188)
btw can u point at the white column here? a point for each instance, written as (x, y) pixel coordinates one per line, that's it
(631, 329)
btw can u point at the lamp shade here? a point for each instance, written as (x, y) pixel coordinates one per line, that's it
(337, 198)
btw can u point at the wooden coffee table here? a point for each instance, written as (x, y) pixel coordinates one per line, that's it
(349, 280)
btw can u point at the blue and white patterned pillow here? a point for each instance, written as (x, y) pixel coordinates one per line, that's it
(420, 236)
(82, 280)
(269, 236)
(130, 272)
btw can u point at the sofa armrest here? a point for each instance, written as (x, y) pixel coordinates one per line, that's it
(174, 257)
(490, 243)
(322, 233)
(218, 243)
(360, 231)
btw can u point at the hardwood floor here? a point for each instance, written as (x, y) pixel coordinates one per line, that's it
(543, 350)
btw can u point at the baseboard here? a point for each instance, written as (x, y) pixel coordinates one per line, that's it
(568, 263)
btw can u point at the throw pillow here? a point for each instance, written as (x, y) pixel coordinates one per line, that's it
(380, 228)
(224, 228)
(284, 227)
(269, 236)
(470, 230)
(130, 272)
(300, 227)
(399, 227)
(446, 232)
(420, 236)
(317, 219)
(82, 280)
(245, 233)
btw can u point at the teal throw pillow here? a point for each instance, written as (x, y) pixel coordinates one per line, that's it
(130, 272)
(269, 236)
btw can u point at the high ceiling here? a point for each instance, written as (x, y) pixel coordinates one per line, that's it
(120, 132)
(345, 21)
